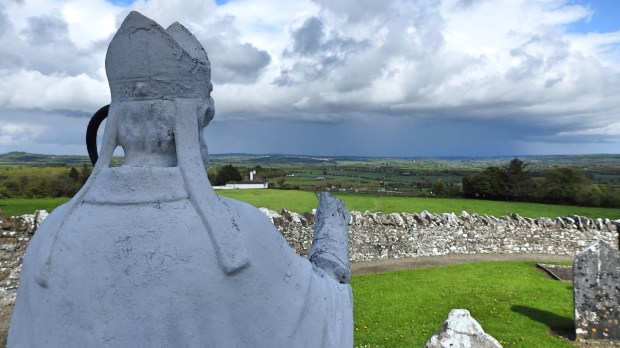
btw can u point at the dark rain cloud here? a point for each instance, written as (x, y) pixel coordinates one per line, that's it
(237, 63)
(355, 10)
(44, 46)
(353, 77)
(232, 61)
(5, 23)
(377, 136)
(307, 39)
(46, 30)
(317, 54)
(538, 55)
(468, 3)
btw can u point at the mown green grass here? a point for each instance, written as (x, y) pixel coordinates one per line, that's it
(20, 206)
(303, 201)
(513, 301)
(390, 204)
(298, 201)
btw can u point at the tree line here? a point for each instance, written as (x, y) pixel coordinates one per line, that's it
(39, 182)
(564, 185)
(511, 182)
(42, 182)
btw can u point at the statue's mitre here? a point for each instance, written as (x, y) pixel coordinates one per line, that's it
(146, 62)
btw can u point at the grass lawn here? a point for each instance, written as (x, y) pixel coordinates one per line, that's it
(388, 204)
(20, 206)
(303, 201)
(513, 301)
(294, 200)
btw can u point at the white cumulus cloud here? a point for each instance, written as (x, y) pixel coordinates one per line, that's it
(509, 62)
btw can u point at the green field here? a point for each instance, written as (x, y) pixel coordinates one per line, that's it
(303, 201)
(457, 205)
(19, 206)
(294, 200)
(513, 301)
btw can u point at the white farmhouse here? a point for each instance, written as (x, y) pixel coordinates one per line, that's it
(255, 182)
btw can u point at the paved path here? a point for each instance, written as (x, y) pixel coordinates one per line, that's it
(377, 266)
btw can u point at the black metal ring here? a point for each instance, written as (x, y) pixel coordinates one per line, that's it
(91, 132)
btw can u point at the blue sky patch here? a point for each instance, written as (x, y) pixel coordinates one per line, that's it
(605, 17)
(123, 3)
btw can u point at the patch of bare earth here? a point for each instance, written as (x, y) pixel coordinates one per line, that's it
(378, 266)
(557, 272)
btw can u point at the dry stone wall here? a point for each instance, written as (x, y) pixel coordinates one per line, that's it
(372, 236)
(15, 233)
(375, 236)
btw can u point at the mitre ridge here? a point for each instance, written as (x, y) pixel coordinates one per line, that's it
(144, 62)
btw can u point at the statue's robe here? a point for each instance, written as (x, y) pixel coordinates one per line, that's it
(133, 266)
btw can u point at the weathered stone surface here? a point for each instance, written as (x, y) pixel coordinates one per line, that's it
(27, 223)
(330, 243)
(146, 254)
(410, 235)
(596, 282)
(374, 236)
(371, 241)
(460, 330)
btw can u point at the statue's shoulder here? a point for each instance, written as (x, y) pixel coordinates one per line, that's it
(55, 217)
(243, 209)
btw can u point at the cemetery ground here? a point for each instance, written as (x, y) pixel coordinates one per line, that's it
(305, 201)
(401, 303)
(514, 302)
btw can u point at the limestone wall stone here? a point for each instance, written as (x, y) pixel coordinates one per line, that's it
(15, 233)
(597, 292)
(375, 236)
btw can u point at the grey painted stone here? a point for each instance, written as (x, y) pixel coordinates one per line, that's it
(596, 276)
(370, 241)
(460, 330)
(146, 254)
(371, 238)
(330, 244)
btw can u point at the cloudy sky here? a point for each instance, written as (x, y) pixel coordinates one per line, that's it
(338, 77)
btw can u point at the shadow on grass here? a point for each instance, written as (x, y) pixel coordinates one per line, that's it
(558, 325)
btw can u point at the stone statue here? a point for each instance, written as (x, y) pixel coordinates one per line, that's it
(147, 255)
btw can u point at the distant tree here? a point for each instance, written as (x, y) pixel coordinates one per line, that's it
(610, 197)
(85, 173)
(4, 192)
(564, 186)
(439, 188)
(487, 184)
(281, 181)
(212, 174)
(227, 173)
(517, 182)
(74, 174)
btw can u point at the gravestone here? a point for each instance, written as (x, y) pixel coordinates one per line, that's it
(596, 277)
(460, 330)
(147, 255)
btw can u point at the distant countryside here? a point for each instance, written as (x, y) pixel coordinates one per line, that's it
(533, 186)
